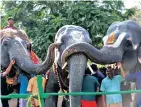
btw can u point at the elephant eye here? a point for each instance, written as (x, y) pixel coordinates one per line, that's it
(5, 41)
(128, 44)
(111, 39)
(24, 44)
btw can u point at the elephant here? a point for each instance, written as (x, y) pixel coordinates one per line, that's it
(66, 36)
(15, 47)
(122, 43)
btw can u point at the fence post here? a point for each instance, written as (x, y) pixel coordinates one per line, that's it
(40, 89)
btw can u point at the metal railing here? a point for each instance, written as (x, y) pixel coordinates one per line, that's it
(41, 95)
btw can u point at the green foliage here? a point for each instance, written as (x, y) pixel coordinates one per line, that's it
(42, 19)
(137, 16)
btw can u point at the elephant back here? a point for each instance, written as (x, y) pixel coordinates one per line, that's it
(12, 33)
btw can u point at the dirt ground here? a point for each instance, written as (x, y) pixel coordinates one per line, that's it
(13, 102)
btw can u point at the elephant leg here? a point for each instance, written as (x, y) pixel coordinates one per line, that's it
(65, 103)
(51, 101)
(52, 87)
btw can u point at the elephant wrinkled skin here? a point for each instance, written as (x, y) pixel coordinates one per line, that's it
(122, 43)
(66, 36)
(13, 46)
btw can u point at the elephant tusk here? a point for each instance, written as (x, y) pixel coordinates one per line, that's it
(90, 69)
(64, 65)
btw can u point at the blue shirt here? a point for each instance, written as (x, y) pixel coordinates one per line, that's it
(136, 77)
(112, 85)
(90, 84)
(22, 79)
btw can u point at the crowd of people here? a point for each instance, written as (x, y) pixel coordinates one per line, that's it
(115, 80)
(105, 79)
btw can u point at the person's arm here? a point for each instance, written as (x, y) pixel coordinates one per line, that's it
(7, 71)
(97, 89)
(29, 87)
(121, 70)
(97, 85)
(102, 88)
(129, 77)
(43, 83)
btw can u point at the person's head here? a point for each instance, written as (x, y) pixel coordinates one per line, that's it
(10, 21)
(87, 71)
(110, 72)
(94, 67)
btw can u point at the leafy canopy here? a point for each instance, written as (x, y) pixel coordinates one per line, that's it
(42, 19)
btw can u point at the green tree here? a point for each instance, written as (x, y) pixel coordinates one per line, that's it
(137, 16)
(42, 19)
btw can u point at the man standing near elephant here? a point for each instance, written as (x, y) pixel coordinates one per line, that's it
(136, 77)
(99, 98)
(110, 84)
(90, 84)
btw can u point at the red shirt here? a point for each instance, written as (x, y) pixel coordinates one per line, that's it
(10, 27)
(34, 57)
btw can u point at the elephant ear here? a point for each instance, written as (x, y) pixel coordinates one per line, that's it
(139, 55)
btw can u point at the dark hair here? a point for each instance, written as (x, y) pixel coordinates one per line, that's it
(94, 67)
(87, 71)
(109, 68)
(10, 18)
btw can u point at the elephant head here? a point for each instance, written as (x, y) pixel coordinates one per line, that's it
(13, 47)
(66, 36)
(121, 44)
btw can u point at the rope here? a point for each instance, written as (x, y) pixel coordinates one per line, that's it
(29, 99)
(31, 96)
(59, 80)
(39, 99)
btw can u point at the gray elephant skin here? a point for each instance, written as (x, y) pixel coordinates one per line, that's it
(66, 36)
(122, 43)
(15, 47)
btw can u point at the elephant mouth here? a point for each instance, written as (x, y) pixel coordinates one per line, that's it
(106, 55)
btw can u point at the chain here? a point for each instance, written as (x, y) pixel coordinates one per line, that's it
(59, 79)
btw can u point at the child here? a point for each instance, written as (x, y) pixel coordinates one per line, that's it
(33, 88)
(23, 80)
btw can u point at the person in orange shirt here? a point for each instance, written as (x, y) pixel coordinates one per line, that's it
(33, 89)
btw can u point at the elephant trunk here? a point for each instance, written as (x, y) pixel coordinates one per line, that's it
(107, 55)
(24, 61)
(77, 64)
